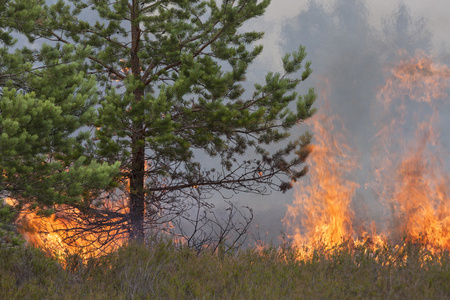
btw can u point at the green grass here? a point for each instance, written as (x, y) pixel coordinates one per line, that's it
(160, 271)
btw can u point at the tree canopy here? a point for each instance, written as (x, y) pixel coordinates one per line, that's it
(44, 161)
(161, 83)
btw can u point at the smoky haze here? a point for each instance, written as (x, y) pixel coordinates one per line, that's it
(351, 45)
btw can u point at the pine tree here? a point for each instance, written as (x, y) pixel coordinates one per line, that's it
(44, 157)
(170, 77)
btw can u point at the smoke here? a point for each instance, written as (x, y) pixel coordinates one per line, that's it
(350, 48)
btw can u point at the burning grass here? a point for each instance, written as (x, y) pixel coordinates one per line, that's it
(365, 268)
(160, 270)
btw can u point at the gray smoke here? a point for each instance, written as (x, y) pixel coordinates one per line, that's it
(352, 54)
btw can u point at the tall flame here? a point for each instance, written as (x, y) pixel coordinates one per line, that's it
(413, 168)
(320, 214)
(409, 178)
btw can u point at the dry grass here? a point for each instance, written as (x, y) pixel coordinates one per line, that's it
(160, 271)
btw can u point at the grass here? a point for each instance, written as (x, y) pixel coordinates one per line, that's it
(160, 271)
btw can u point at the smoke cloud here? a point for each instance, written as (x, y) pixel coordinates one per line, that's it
(351, 44)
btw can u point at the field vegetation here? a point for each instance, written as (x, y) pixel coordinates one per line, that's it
(160, 270)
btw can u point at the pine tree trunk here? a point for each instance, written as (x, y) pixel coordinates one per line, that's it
(137, 172)
(137, 195)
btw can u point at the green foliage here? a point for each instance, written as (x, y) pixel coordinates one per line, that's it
(44, 158)
(8, 235)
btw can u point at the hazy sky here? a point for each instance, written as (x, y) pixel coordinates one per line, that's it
(436, 12)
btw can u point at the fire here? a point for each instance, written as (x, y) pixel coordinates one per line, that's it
(417, 78)
(409, 175)
(322, 207)
(418, 193)
(55, 235)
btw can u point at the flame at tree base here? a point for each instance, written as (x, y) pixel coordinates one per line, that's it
(55, 234)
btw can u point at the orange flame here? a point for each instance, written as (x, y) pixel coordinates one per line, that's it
(418, 192)
(50, 234)
(417, 78)
(409, 178)
(322, 207)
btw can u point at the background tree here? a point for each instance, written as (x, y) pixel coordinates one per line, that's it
(172, 99)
